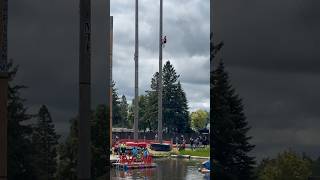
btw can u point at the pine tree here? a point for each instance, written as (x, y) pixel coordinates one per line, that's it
(151, 112)
(19, 132)
(99, 131)
(170, 102)
(45, 143)
(175, 105)
(68, 152)
(124, 108)
(143, 121)
(69, 149)
(231, 142)
(116, 109)
(181, 122)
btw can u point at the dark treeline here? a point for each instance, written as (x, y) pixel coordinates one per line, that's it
(231, 144)
(32, 140)
(34, 152)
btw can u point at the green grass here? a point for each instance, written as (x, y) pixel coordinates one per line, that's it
(203, 152)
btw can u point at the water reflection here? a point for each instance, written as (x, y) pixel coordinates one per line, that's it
(168, 168)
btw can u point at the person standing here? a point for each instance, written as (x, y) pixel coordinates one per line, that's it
(191, 143)
(156, 137)
(177, 141)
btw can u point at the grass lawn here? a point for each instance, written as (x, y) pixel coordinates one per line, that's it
(203, 152)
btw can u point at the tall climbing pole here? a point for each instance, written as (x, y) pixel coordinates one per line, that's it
(160, 78)
(136, 76)
(84, 150)
(3, 88)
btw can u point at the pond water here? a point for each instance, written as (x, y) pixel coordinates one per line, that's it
(168, 168)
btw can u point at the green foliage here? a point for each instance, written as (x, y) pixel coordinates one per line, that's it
(316, 167)
(151, 111)
(119, 109)
(99, 132)
(143, 122)
(288, 165)
(199, 119)
(19, 132)
(45, 144)
(116, 108)
(68, 152)
(175, 105)
(124, 108)
(69, 149)
(230, 128)
(203, 152)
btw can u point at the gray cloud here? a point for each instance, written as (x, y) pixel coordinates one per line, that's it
(271, 52)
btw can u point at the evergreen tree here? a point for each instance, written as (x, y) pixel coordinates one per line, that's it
(170, 102)
(143, 121)
(151, 112)
(99, 131)
(116, 109)
(175, 105)
(130, 115)
(316, 167)
(19, 132)
(68, 152)
(45, 143)
(181, 122)
(124, 108)
(230, 142)
(69, 149)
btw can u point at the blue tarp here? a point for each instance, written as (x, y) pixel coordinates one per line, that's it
(206, 164)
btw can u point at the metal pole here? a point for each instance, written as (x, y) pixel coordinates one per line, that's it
(84, 152)
(109, 87)
(136, 89)
(160, 79)
(110, 71)
(211, 82)
(3, 88)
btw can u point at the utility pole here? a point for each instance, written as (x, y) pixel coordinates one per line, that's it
(136, 77)
(110, 74)
(160, 78)
(109, 87)
(3, 88)
(211, 83)
(84, 151)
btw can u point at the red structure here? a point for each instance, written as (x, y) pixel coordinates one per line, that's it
(138, 143)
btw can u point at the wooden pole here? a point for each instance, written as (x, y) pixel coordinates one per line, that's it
(160, 79)
(84, 150)
(136, 79)
(3, 88)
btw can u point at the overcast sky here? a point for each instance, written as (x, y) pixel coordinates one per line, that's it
(271, 52)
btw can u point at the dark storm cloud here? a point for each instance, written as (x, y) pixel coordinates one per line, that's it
(272, 53)
(274, 34)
